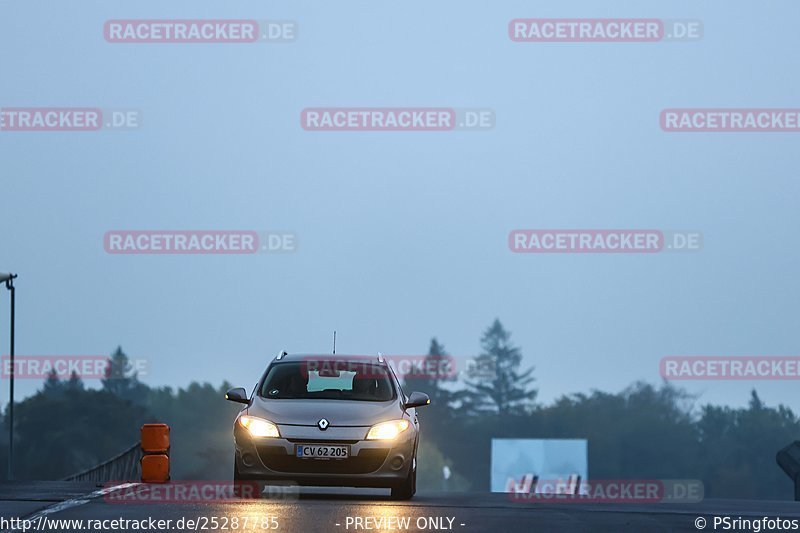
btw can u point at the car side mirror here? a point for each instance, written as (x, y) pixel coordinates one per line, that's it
(237, 394)
(417, 399)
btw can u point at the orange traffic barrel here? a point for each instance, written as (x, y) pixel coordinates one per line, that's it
(155, 438)
(155, 447)
(155, 469)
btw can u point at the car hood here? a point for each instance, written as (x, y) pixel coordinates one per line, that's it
(336, 412)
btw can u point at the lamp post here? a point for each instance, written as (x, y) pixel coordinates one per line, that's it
(9, 281)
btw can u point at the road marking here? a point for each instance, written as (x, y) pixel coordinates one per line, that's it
(67, 504)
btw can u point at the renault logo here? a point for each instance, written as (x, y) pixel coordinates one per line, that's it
(323, 424)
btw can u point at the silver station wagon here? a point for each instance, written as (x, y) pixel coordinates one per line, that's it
(328, 420)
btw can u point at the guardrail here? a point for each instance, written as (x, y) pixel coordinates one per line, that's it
(123, 467)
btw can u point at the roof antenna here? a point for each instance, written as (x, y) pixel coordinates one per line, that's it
(334, 342)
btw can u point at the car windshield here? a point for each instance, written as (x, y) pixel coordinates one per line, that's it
(332, 380)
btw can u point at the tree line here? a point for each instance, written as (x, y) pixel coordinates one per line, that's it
(643, 432)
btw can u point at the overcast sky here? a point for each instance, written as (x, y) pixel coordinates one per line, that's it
(402, 236)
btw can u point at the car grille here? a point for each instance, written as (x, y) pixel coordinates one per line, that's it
(316, 441)
(275, 458)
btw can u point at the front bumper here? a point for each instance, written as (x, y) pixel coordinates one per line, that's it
(370, 464)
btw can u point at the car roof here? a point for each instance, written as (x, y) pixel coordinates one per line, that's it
(289, 357)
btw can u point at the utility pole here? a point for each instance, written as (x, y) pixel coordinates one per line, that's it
(9, 280)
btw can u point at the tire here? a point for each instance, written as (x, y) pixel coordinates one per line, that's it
(238, 492)
(407, 489)
(236, 475)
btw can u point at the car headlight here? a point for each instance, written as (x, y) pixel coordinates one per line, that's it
(258, 427)
(387, 430)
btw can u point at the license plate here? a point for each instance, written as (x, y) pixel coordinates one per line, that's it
(321, 451)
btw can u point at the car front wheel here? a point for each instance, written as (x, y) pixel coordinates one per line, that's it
(236, 475)
(407, 489)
